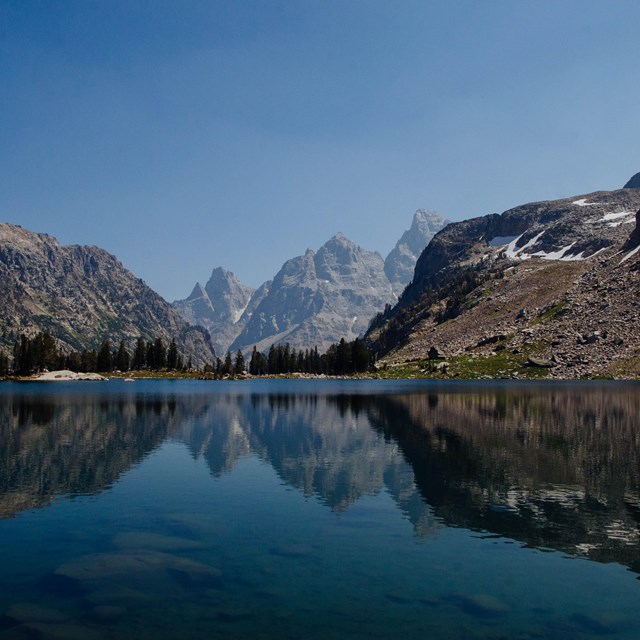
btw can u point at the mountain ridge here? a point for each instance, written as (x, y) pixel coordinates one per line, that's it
(297, 306)
(547, 285)
(82, 295)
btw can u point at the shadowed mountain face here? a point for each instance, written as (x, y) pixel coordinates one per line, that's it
(551, 466)
(634, 182)
(81, 296)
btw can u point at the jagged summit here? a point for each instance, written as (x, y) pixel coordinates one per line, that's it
(318, 298)
(634, 182)
(401, 261)
(218, 306)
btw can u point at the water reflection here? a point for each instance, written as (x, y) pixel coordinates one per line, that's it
(550, 466)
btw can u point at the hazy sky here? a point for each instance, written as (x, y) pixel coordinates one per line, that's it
(185, 135)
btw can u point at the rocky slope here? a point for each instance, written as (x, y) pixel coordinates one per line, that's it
(318, 298)
(548, 287)
(82, 295)
(401, 261)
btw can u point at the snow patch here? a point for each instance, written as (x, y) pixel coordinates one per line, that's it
(615, 216)
(583, 203)
(512, 252)
(555, 255)
(238, 314)
(630, 254)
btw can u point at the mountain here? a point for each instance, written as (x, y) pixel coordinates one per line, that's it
(220, 307)
(318, 298)
(83, 295)
(303, 307)
(548, 288)
(400, 263)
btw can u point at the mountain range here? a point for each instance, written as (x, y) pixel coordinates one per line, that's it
(550, 287)
(546, 289)
(315, 299)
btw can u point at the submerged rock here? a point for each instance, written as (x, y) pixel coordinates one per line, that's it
(138, 568)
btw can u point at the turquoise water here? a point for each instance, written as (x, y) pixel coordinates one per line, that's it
(346, 509)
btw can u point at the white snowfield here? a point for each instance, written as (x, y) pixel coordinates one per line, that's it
(583, 203)
(521, 253)
(65, 375)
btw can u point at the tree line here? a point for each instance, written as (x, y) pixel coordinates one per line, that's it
(31, 355)
(42, 352)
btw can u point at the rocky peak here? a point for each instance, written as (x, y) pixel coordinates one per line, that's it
(634, 182)
(401, 261)
(228, 296)
(218, 306)
(318, 298)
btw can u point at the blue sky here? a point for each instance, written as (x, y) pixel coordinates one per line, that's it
(185, 135)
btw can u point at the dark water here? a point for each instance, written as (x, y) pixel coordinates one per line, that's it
(306, 509)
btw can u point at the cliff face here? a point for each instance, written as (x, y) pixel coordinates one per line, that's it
(556, 281)
(81, 296)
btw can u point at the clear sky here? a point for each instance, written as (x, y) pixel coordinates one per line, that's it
(184, 135)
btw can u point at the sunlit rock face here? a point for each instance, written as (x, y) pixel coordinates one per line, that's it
(320, 297)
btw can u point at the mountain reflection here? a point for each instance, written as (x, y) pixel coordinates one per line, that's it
(555, 467)
(52, 444)
(550, 466)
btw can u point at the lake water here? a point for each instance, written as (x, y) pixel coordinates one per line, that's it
(312, 509)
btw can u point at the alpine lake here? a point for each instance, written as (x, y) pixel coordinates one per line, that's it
(312, 509)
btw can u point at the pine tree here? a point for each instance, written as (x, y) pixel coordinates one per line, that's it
(160, 354)
(122, 358)
(227, 367)
(139, 355)
(104, 361)
(239, 366)
(172, 356)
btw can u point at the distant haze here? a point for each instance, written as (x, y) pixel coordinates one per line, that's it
(183, 135)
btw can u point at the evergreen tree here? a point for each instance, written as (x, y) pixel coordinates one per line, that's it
(227, 367)
(150, 355)
(239, 366)
(4, 364)
(22, 362)
(122, 357)
(88, 361)
(272, 360)
(104, 361)
(139, 355)
(172, 356)
(160, 353)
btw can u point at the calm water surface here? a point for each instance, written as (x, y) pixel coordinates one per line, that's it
(307, 509)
